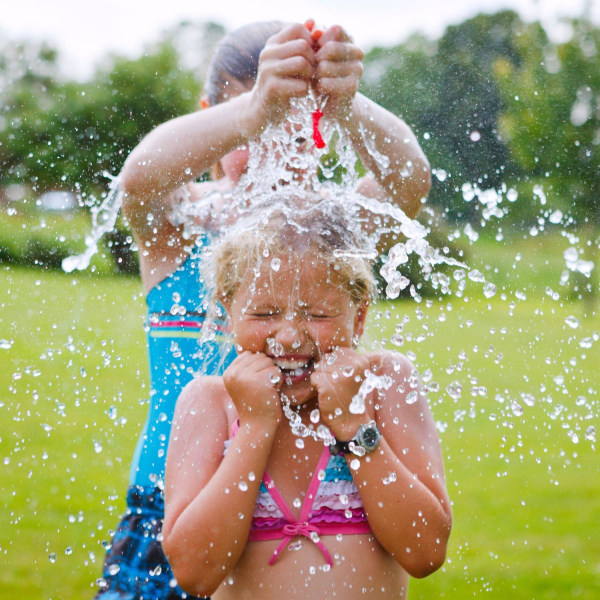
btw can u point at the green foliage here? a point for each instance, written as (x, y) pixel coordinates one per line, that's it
(447, 93)
(67, 134)
(551, 119)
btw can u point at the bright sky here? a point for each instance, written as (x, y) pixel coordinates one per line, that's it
(85, 31)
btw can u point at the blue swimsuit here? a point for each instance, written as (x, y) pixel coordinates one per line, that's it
(176, 313)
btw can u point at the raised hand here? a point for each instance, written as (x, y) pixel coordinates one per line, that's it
(286, 69)
(253, 381)
(337, 378)
(339, 69)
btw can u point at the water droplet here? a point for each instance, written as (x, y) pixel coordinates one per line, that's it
(476, 276)
(276, 264)
(489, 290)
(52, 557)
(475, 136)
(590, 433)
(528, 399)
(97, 447)
(300, 443)
(441, 174)
(555, 217)
(412, 397)
(315, 416)
(6, 344)
(572, 322)
(454, 390)
(586, 342)
(512, 195)
(243, 486)
(516, 409)
(113, 569)
(297, 503)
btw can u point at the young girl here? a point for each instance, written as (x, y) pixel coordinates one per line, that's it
(253, 510)
(254, 74)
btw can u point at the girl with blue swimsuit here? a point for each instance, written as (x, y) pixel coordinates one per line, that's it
(254, 74)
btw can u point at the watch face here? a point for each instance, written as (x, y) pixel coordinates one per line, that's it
(369, 436)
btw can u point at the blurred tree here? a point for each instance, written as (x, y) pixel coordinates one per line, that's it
(29, 74)
(551, 119)
(551, 123)
(66, 134)
(447, 92)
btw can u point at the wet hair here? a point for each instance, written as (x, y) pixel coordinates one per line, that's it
(236, 58)
(300, 228)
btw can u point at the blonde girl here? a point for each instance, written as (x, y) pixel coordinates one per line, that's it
(351, 501)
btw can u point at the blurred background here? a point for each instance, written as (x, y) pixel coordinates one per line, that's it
(506, 105)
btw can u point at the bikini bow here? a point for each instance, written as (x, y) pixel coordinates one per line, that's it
(291, 530)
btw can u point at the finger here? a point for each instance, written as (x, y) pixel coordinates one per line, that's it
(290, 49)
(334, 33)
(339, 51)
(292, 32)
(338, 87)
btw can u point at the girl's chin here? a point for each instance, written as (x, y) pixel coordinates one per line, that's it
(299, 394)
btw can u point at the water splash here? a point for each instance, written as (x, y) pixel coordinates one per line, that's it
(104, 218)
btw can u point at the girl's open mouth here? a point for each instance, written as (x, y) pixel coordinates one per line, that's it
(296, 369)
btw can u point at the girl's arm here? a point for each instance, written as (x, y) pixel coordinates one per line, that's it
(181, 150)
(210, 498)
(401, 483)
(403, 174)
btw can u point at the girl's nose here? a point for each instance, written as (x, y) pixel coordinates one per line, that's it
(290, 333)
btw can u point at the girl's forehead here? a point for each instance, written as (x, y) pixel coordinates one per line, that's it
(300, 282)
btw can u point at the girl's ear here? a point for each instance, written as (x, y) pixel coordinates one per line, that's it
(359, 319)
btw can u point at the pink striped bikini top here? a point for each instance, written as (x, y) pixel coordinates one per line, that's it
(332, 505)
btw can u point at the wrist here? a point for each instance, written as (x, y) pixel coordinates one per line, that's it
(364, 441)
(251, 118)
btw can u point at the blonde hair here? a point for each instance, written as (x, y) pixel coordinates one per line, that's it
(295, 227)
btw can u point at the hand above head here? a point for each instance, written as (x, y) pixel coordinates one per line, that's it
(253, 381)
(286, 69)
(337, 378)
(339, 69)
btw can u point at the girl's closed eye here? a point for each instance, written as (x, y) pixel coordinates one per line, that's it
(320, 315)
(262, 312)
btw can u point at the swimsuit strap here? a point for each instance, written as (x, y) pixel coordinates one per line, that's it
(299, 526)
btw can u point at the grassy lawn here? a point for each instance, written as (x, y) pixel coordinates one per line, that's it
(514, 387)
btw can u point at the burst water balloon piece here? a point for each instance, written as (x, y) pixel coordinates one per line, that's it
(317, 137)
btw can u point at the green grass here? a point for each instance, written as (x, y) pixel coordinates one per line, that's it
(526, 522)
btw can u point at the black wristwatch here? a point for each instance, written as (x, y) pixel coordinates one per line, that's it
(365, 440)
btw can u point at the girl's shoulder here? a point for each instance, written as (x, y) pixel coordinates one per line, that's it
(205, 399)
(202, 395)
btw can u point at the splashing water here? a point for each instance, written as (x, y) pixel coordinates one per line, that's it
(104, 218)
(369, 383)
